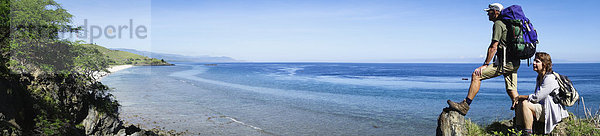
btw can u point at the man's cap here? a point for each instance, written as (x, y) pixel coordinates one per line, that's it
(494, 6)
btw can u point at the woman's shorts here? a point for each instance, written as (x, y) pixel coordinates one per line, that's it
(538, 111)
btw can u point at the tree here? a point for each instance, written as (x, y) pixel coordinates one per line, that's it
(33, 42)
(57, 99)
(89, 61)
(38, 19)
(4, 35)
(31, 39)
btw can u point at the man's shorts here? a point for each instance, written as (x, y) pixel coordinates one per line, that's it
(510, 74)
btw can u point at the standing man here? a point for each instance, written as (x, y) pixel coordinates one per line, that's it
(487, 70)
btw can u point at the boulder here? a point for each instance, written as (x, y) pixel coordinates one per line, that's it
(97, 123)
(451, 123)
(101, 124)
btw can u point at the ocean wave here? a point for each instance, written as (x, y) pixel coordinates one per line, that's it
(291, 70)
(218, 119)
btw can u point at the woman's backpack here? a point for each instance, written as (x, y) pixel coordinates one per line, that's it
(567, 95)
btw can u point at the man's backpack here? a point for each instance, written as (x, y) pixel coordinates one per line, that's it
(522, 37)
(567, 95)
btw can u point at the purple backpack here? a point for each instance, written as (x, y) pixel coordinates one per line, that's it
(522, 37)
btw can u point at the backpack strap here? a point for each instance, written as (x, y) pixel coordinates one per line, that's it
(554, 94)
(558, 79)
(503, 58)
(557, 76)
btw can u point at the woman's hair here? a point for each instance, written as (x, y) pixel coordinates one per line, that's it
(546, 61)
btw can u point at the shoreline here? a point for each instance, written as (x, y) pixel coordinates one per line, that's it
(116, 68)
(99, 75)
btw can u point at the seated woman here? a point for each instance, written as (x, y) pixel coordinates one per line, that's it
(540, 106)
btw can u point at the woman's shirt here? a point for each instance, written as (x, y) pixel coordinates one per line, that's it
(553, 112)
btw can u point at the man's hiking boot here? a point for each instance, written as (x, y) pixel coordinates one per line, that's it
(461, 107)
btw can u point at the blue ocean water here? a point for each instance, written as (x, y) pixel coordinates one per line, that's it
(320, 98)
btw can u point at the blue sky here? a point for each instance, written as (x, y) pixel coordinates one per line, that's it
(339, 31)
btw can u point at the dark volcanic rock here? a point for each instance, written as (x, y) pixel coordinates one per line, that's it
(97, 123)
(101, 124)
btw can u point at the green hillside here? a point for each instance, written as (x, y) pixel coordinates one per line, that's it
(116, 57)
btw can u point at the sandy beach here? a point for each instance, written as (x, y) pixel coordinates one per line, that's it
(99, 75)
(118, 68)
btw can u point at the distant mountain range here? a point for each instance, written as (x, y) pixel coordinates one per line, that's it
(179, 58)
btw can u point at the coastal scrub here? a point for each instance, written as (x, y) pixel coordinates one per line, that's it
(571, 126)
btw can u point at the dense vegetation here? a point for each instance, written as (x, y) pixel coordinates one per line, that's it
(46, 86)
(116, 57)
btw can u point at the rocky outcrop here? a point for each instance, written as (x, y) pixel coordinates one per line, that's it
(97, 123)
(55, 104)
(451, 123)
(102, 124)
